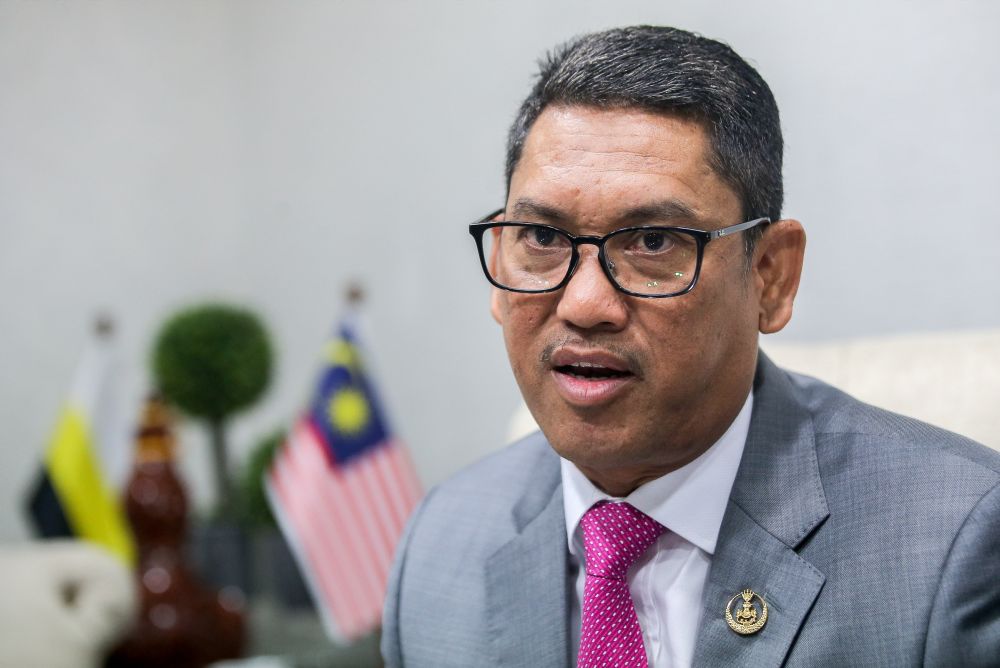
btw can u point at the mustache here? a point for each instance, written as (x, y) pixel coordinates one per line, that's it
(636, 359)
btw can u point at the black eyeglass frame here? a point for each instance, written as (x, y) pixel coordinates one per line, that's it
(701, 237)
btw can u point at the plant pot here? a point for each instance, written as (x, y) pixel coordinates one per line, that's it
(220, 553)
(276, 573)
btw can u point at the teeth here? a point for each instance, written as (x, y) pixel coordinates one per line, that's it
(587, 365)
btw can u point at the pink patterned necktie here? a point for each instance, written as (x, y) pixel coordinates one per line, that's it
(614, 535)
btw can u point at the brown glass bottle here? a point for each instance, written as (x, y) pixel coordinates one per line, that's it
(182, 623)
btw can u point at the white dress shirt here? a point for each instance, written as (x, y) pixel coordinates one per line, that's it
(667, 582)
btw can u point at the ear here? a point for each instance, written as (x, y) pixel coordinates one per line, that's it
(495, 293)
(777, 269)
(495, 298)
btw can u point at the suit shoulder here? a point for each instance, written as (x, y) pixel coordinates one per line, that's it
(838, 417)
(491, 492)
(504, 472)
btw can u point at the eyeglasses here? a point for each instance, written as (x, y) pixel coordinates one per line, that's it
(639, 261)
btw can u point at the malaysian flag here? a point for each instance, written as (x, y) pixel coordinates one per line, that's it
(342, 488)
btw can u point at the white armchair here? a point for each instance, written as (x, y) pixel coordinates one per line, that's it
(949, 379)
(62, 604)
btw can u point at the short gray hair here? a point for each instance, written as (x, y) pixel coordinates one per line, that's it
(662, 69)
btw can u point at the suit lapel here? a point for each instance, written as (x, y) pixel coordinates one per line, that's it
(776, 502)
(527, 579)
(754, 559)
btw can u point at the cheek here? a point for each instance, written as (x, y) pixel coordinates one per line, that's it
(724, 328)
(523, 318)
(529, 311)
(726, 293)
(687, 333)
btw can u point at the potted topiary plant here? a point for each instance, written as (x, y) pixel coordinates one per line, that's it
(211, 362)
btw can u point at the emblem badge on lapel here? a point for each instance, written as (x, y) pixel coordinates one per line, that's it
(749, 616)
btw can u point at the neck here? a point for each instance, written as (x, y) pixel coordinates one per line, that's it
(622, 482)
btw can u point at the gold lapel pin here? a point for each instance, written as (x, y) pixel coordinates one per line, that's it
(750, 616)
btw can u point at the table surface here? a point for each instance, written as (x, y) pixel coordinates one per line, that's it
(294, 638)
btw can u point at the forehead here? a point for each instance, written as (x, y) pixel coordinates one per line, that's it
(592, 162)
(633, 137)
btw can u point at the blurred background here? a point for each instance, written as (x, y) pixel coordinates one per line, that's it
(266, 153)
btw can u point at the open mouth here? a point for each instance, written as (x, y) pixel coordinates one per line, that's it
(591, 371)
(590, 378)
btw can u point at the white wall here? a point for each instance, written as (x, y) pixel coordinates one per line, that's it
(158, 153)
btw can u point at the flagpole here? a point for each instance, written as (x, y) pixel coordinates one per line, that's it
(104, 325)
(355, 294)
(355, 297)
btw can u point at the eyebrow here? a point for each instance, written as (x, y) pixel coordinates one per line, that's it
(530, 208)
(668, 211)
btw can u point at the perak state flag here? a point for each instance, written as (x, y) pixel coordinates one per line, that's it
(71, 495)
(342, 487)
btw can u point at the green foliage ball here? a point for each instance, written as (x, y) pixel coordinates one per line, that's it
(212, 360)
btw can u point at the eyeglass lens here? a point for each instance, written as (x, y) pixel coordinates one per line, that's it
(645, 261)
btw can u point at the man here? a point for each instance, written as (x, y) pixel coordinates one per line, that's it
(686, 502)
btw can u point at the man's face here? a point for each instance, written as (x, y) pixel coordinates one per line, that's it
(666, 376)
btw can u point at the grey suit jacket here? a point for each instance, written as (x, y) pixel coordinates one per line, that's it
(874, 539)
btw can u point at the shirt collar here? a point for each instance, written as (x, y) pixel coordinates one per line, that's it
(689, 501)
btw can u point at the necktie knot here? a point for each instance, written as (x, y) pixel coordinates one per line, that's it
(614, 536)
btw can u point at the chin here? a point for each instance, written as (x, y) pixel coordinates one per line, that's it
(589, 447)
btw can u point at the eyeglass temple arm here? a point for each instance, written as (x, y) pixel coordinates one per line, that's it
(488, 217)
(733, 229)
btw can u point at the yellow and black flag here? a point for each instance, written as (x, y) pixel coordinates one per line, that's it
(71, 497)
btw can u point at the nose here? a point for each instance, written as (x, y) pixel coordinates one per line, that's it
(589, 300)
